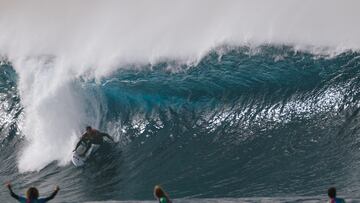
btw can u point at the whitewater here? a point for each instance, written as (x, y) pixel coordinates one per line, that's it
(217, 101)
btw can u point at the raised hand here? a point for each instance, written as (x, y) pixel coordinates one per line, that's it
(8, 185)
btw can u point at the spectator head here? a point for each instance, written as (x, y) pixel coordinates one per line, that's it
(332, 192)
(32, 193)
(158, 192)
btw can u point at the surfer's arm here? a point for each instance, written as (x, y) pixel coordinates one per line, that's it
(108, 136)
(15, 196)
(52, 195)
(78, 144)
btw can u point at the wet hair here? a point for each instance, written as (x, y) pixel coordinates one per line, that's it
(159, 192)
(332, 192)
(88, 128)
(32, 193)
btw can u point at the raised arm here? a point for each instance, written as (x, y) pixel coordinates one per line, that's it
(52, 195)
(15, 196)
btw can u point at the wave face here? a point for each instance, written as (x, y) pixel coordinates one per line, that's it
(242, 122)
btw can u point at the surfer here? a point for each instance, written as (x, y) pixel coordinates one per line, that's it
(332, 196)
(161, 195)
(32, 195)
(92, 136)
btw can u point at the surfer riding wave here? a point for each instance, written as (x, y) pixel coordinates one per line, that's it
(91, 137)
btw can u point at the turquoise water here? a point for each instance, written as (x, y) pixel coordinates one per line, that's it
(271, 122)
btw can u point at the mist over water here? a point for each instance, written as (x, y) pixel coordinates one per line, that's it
(244, 88)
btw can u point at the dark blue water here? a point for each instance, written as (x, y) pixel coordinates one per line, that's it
(269, 122)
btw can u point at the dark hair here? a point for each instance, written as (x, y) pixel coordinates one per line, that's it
(32, 193)
(88, 127)
(332, 192)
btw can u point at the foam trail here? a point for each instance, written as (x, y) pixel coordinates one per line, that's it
(52, 43)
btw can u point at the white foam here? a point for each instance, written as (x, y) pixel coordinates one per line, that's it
(51, 43)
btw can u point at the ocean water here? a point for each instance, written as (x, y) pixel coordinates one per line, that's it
(274, 123)
(223, 104)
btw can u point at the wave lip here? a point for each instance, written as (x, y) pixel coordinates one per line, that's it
(106, 33)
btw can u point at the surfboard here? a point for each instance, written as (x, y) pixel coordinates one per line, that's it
(78, 157)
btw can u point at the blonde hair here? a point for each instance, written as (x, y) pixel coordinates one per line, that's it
(160, 193)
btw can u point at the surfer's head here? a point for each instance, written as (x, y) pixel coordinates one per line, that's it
(32, 193)
(158, 192)
(88, 129)
(332, 192)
